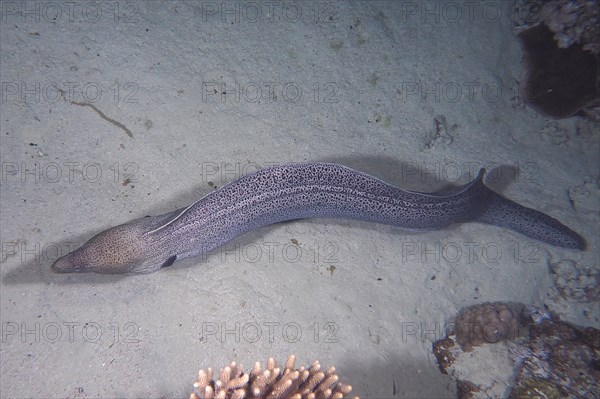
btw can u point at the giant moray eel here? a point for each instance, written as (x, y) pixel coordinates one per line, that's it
(298, 191)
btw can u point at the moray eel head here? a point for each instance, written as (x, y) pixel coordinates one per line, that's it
(121, 249)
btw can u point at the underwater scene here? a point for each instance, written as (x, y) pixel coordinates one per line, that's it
(300, 199)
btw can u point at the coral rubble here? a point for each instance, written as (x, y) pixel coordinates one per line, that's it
(273, 382)
(574, 21)
(576, 281)
(557, 82)
(561, 54)
(562, 361)
(551, 359)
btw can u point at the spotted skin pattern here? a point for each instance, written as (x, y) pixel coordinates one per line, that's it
(298, 191)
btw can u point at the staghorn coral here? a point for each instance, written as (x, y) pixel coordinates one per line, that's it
(273, 382)
(487, 322)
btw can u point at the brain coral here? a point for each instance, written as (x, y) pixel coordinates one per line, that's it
(485, 323)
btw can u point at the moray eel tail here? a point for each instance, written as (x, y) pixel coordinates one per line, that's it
(503, 212)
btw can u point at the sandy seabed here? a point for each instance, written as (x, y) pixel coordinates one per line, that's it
(112, 111)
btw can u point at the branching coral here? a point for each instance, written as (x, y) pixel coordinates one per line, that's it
(272, 383)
